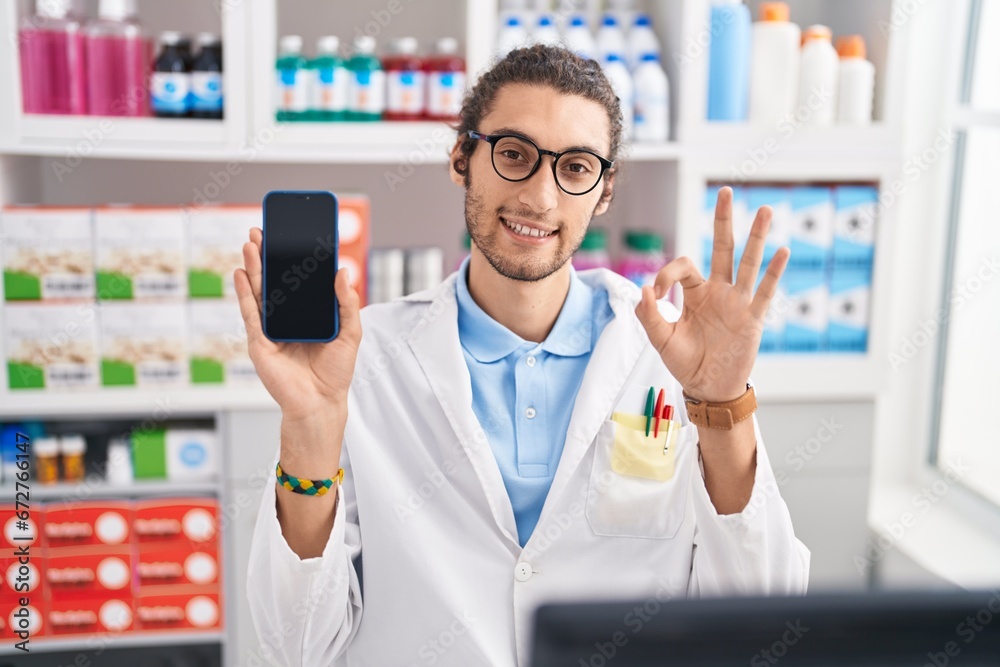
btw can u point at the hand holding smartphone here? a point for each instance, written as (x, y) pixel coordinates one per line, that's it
(300, 264)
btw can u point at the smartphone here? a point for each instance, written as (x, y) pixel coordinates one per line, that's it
(299, 260)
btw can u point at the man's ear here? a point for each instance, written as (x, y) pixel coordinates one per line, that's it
(607, 194)
(458, 164)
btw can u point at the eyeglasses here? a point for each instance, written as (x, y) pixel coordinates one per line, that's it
(516, 158)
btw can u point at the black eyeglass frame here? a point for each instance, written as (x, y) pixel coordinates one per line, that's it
(492, 139)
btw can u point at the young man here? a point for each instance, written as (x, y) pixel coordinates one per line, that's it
(492, 455)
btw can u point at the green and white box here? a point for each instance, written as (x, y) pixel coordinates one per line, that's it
(216, 234)
(143, 344)
(139, 252)
(51, 346)
(47, 253)
(218, 343)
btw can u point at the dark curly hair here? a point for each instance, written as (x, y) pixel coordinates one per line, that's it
(538, 65)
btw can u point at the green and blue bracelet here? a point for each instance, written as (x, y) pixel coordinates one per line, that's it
(309, 487)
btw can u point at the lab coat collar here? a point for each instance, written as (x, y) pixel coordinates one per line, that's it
(487, 340)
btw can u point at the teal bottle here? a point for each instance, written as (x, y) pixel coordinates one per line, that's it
(292, 81)
(366, 101)
(328, 82)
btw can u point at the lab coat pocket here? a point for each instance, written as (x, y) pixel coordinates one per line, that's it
(635, 490)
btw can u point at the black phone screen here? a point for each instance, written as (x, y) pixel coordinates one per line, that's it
(300, 265)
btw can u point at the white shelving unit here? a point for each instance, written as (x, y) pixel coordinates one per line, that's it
(667, 179)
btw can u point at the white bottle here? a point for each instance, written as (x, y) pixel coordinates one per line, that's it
(545, 32)
(621, 82)
(652, 100)
(622, 10)
(774, 64)
(512, 36)
(857, 82)
(329, 95)
(818, 79)
(516, 8)
(610, 38)
(578, 38)
(641, 40)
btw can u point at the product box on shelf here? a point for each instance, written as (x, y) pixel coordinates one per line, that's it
(773, 337)
(354, 229)
(190, 522)
(811, 228)
(139, 252)
(87, 523)
(90, 615)
(14, 535)
(101, 571)
(850, 293)
(176, 564)
(22, 579)
(216, 234)
(180, 455)
(15, 618)
(217, 342)
(47, 253)
(186, 608)
(781, 217)
(808, 311)
(854, 227)
(51, 346)
(143, 344)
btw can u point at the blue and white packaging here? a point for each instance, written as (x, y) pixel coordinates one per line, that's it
(781, 219)
(850, 292)
(192, 455)
(854, 228)
(811, 229)
(773, 337)
(808, 311)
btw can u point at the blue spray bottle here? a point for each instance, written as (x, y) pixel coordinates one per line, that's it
(729, 61)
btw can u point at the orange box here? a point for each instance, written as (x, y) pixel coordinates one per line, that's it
(179, 608)
(177, 564)
(354, 229)
(13, 578)
(88, 615)
(33, 623)
(87, 523)
(12, 536)
(192, 521)
(89, 572)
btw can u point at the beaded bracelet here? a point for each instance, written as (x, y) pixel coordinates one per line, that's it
(309, 487)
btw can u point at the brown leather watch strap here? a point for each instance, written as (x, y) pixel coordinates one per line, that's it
(721, 416)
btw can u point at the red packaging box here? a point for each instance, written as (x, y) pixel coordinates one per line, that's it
(353, 226)
(90, 572)
(175, 608)
(177, 564)
(9, 624)
(91, 523)
(189, 521)
(89, 615)
(13, 536)
(13, 577)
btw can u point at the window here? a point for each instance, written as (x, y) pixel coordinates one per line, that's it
(968, 376)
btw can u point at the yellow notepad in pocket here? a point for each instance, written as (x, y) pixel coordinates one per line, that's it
(634, 453)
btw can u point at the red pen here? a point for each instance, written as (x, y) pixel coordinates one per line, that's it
(656, 413)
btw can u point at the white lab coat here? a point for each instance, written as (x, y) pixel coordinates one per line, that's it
(423, 566)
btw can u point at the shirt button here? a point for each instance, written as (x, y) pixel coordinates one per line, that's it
(530, 413)
(522, 572)
(530, 361)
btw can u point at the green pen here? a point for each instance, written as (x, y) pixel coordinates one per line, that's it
(650, 399)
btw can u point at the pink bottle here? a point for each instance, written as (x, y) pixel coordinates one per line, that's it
(118, 62)
(53, 69)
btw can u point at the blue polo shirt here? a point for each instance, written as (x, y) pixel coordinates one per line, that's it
(523, 392)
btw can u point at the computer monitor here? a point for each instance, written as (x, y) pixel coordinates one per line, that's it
(865, 630)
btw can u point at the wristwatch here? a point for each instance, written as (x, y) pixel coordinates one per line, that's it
(721, 416)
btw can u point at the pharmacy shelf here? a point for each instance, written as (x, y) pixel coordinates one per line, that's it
(96, 642)
(101, 489)
(812, 377)
(160, 403)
